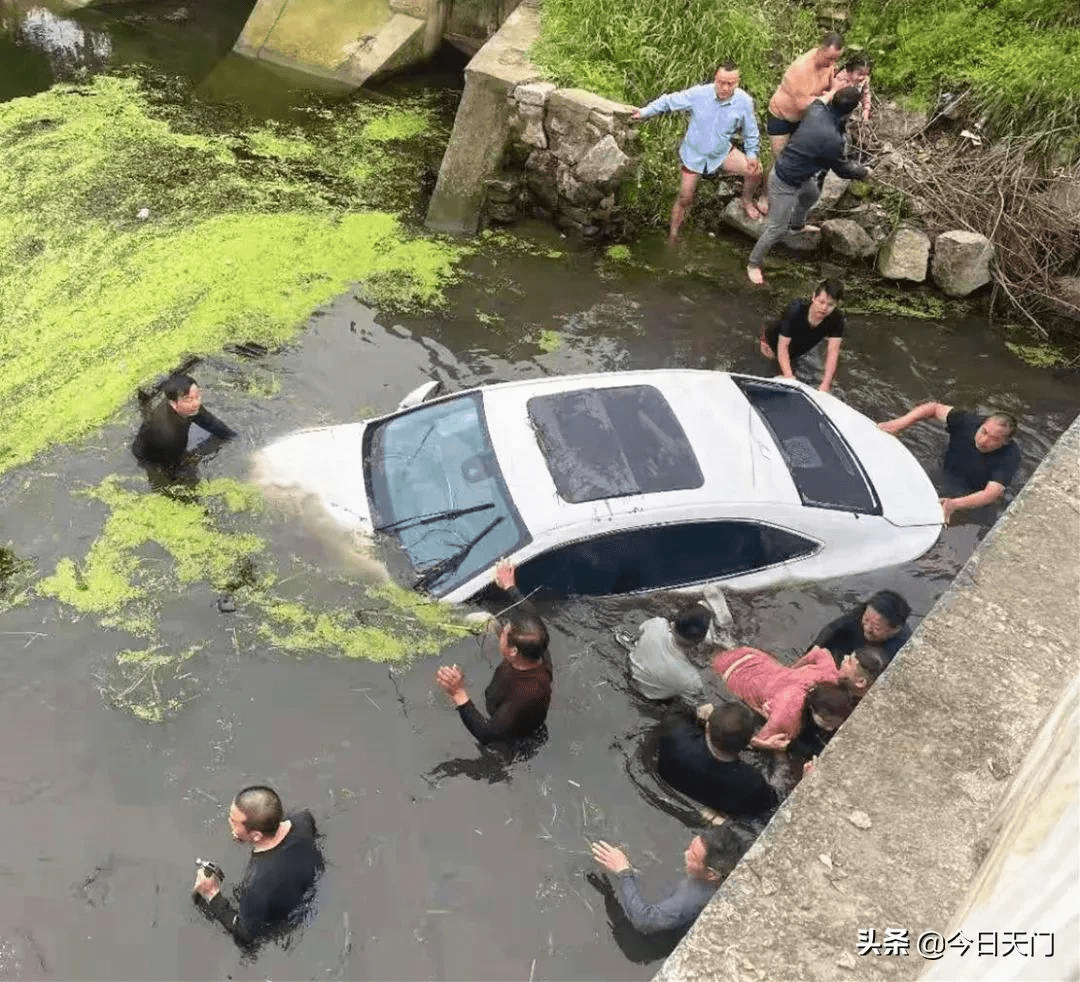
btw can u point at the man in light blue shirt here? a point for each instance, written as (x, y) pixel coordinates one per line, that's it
(718, 111)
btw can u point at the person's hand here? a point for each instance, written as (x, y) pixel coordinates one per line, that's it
(612, 859)
(206, 886)
(505, 575)
(948, 508)
(753, 166)
(889, 426)
(704, 711)
(635, 116)
(808, 767)
(451, 680)
(778, 741)
(824, 387)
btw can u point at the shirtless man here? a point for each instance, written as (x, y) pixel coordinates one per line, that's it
(808, 77)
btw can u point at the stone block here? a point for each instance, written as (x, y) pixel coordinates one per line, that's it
(528, 124)
(533, 93)
(961, 262)
(502, 213)
(575, 191)
(578, 102)
(576, 214)
(735, 217)
(566, 134)
(848, 238)
(603, 163)
(894, 125)
(541, 170)
(604, 122)
(831, 192)
(904, 255)
(874, 221)
(500, 190)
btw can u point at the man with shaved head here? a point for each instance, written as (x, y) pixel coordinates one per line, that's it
(280, 877)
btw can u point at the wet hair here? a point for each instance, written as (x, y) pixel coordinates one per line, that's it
(724, 847)
(692, 622)
(894, 608)
(1005, 419)
(727, 66)
(871, 662)
(834, 39)
(528, 634)
(261, 808)
(177, 385)
(832, 702)
(847, 99)
(730, 727)
(855, 62)
(834, 289)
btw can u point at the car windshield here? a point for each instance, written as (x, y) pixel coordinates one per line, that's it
(825, 471)
(435, 487)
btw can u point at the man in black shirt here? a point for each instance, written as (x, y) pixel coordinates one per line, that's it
(803, 326)
(705, 765)
(982, 457)
(162, 438)
(519, 693)
(881, 621)
(280, 876)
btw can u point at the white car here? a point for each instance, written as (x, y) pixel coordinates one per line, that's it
(620, 482)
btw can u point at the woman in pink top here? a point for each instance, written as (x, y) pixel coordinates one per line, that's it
(857, 72)
(779, 693)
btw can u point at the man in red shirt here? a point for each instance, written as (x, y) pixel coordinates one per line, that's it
(779, 693)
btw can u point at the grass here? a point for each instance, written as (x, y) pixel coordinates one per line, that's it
(1020, 59)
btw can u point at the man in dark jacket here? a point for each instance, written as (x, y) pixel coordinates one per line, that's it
(881, 621)
(816, 146)
(280, 876)
(705, 765)
(162, 438)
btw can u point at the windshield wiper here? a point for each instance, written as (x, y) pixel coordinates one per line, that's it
(446, 566)
(438, 516)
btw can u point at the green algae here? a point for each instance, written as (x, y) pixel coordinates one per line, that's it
(152, 545)
(15, 577)
(400, 125)
(550, 341)
(1043, 355)
(618, 253)
(247, 234)
(135, 680)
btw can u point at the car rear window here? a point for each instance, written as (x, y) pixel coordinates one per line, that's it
(607, 443)
(825, 471)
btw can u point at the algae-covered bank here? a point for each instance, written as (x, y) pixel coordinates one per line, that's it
(135, 230)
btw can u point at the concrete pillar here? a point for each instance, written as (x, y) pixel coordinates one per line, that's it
(482, 124)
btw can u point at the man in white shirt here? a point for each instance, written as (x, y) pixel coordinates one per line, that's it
(659, 666)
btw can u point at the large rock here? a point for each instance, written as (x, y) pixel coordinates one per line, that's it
(571, 126)
(893, 125)
(541, 176)
(848, 238)
(904, 255)
(533, 93)
(528, 124)
(806, 239)
(734, 216)
(961, 262)
(831, 192)
(604, 163)
(873, 219)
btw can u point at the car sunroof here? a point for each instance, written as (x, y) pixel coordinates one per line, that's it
(606, 443)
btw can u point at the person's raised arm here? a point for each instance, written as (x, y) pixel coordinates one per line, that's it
(671, 102)
(926, 410)
(751, 136)
(832, 359)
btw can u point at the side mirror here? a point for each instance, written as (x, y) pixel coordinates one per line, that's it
(420, 394)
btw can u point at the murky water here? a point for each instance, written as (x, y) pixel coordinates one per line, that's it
(443, 861)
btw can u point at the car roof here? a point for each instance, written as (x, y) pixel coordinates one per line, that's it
(738, 459)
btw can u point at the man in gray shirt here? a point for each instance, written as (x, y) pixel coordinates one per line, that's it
(709, 858)
(659, 667)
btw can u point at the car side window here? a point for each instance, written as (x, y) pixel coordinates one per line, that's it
(661, 556)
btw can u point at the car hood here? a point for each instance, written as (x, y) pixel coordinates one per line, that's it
(906, 493)
(326, 462)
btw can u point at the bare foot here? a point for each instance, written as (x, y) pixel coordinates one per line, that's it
(755, 275)
(750, 210)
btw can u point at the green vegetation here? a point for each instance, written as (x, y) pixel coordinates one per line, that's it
(135, 680)
(1019, 58)
(247, 234)
(153, 546)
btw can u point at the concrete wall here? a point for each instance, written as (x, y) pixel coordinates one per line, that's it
(893, 826)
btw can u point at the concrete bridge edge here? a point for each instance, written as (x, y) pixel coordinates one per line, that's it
(927, 759)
